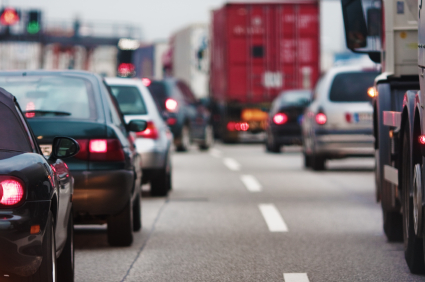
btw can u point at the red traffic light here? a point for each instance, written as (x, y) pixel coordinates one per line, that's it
(9, 16)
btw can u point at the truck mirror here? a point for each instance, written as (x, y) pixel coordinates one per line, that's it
(355, 24)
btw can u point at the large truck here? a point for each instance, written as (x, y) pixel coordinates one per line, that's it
(190, 57)
(258, 49)
(388, 31)
(147, 60)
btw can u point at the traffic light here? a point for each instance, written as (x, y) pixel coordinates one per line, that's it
(33, 25)
(9, 16)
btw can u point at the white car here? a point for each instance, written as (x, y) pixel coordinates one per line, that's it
(338, 122)
(153, 144)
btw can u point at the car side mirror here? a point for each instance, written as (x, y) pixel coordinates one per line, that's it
(64, 147)
(137, 125)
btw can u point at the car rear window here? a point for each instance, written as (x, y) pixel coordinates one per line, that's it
(352, 86)
(129, 100)
(159, 93)
(12, 131)
(52, 96)
(301, 99)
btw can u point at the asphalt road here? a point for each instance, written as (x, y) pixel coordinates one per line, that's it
(237, 213)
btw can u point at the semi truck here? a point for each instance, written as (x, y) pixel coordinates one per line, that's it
(147, 60)
(393, 33)
(258, 49)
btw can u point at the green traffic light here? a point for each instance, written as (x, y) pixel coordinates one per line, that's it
(33, 27)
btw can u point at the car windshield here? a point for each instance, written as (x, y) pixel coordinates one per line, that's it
(52, 96)
(129, 99)
(352, 86)
(159, 93)
(296, 98)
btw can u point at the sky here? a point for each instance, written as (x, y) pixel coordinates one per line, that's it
(157, 18)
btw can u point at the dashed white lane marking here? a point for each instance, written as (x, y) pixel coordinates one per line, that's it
(232, 164)
(251, 183)
(216, 153)
(295, 277)
(273, 218)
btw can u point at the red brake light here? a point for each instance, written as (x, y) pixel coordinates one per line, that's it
(422, 139)
(30, 107)
(146, 81)
(348, 117)
(231, 126)
(171, 121)
(150, 132)
(238, 126)
(126, 69)
(11, 191)
(321, 118)
(98, 146)
(171, 105)
(280, 118)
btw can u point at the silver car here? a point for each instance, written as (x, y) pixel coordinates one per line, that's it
(153, 144)
(338, 123)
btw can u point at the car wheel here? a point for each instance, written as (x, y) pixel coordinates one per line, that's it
(184, 142)
(209, 139)
(413, 245)
(47, 270)
(137, 213)
(393, 226)
(66, 263)
(160, 185)
(307, 160)
(318, 162)
(271, 145)
(120, 227)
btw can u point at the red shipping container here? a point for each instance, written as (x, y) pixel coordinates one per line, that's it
(258, 49)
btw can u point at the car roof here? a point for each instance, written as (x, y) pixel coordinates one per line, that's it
(48, 72)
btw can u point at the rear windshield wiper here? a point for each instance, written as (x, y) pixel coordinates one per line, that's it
(41, 112)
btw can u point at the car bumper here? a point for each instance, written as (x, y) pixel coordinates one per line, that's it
(20, 251)
(152, 152)
(101, 193)
(340, 144)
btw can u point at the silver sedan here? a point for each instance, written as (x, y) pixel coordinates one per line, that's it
(153, 144)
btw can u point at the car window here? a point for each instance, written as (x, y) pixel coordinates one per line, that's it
(129, 99)
(296, 99)
(12, 131)
(52, 96)
(159, 93)
(352, 86)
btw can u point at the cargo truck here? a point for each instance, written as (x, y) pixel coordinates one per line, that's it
(388, 31)
(259, 49)
(147, 60)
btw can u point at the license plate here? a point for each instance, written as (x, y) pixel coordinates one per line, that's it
(362, 117)
(46, 150)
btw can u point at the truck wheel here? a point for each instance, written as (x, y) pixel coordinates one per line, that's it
(393, 226)
(413, 245)
(65, 263)
(120, 227)
(160, 185)
(137, 213)
(47, 270)
(208, 140)
(183, 143)
(307, 160)
(318, 162)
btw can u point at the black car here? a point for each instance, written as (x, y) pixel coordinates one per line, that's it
(36, 223)
(285, 118)
(107, 170)
(187, 117)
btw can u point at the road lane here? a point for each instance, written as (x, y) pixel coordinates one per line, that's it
(210, 228)
(273, 218)
(251, 183)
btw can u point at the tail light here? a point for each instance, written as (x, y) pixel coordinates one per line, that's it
(348, 117)
(146, 81)
(150, 132)
(421, 139)
(126, 69)
(237, 126)
(171, 121)
(11, 191)
(100, 150)
(280, 118)
(231, 126)
(321, 118)
(171, 105)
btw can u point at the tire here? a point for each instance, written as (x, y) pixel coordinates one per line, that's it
(413, 245)
(161, 184)
(66, 261)
(120, 227)
(271, 145)
(208, 140)
(183, 143)
(137, 213)
(307, 160)
(47, 270)
(317, 163)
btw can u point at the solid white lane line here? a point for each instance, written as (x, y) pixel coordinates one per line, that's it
(232, 164)
(273, 218)
(295, 277)
(251, 183)
(216, 153)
